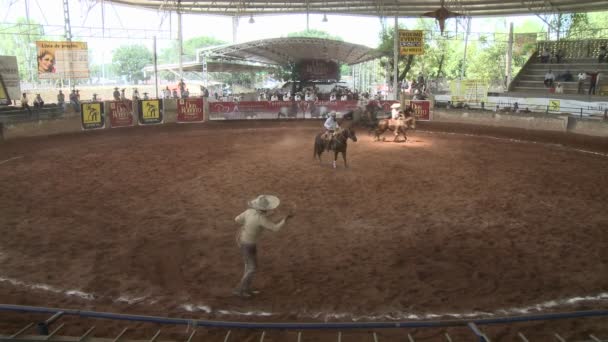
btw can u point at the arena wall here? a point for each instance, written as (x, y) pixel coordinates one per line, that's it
(525, 121)
(587, 127)
(41, 127)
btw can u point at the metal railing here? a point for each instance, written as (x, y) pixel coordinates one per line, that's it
(42, 327)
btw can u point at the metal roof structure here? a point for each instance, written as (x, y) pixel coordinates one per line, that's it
(212, 66)
(281, 51)
(401, 8)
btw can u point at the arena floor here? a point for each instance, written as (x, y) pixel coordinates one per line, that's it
(141, 220)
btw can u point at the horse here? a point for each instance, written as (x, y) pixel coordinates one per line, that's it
(398, 127)
(338, 144)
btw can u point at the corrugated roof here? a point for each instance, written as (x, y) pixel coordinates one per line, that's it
(402, 8)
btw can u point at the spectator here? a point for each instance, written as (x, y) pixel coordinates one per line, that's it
(603, 55)
(566, 77)
(545, 56)
(593, 81)
(582, 76)
(75, 101)
(549, 78)
(185, 93)
(25, 103)
(146, 96)
(60, 99)
(123, 97)
(166, 93)
(116, 94)
(135, 94)
(94, 97)
(559, 55)
(174, 94)
(559, 89)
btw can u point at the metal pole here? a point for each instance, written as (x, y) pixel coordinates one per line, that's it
(510, 56)
(155, 67)
(466, 42)
(103, 35)
(180, 42)
(235, 25)
(29, 41)
(396, 60)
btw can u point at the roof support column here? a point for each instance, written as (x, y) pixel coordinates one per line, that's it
(180, 40)
(235, 26)
(396, 61)
(509, 57)
(466, 42)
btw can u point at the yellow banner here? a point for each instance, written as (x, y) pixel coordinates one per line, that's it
(150, 109)
(469, 91)
(91, 113)
(62, 60)
(411, 42)
(554, 105)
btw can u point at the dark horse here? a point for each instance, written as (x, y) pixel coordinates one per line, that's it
(338, 145)
(398, 127)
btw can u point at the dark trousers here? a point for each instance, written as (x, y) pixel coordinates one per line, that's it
(250, 254)
(592, 89)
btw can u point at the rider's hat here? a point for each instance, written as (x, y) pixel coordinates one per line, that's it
(332, 113)
(264, 202)
(396, 106)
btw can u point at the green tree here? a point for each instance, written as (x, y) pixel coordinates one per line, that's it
(22, 46)
(314, 34)
(129, 60)
(171, 54)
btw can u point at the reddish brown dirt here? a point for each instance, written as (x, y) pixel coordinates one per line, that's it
(446, 223)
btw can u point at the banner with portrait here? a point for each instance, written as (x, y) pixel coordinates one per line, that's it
(121, 113)
(411, 42)
(469, 91)
(150, 112)
(190, 110)
(9, 73)
(92, 115)
(62, 60)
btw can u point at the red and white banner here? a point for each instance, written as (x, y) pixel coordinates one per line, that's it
(277, 109)
(422, 109)
(190, 110)
(121, 113)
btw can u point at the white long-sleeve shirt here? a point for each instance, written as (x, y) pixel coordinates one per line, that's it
(330, 124)
(254, 222)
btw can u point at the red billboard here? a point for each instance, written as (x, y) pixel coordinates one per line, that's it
(121, 113)
(190, 110)
(422, 109)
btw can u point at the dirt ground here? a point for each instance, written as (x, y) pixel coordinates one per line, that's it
(141, 220)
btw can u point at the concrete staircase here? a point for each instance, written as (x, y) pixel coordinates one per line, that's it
(530, 78)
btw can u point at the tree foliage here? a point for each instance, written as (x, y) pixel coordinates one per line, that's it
(129, 60)
(314, 34)
(22, 46)
(171, 54)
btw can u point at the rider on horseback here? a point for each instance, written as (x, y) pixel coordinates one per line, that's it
(331, 126)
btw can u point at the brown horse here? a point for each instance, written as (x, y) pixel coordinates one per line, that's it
(338, 144)
(398, 127)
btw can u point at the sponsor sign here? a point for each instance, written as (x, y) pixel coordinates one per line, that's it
(92, 116)
(554, 105)
(411, 42)
(62, 60)
(9, 73)
(190, 110)
(121, 113)
(150, 112)
(469, 91)
(422, 109)
(277, 109)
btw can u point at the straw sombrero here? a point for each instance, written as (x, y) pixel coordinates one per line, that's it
(264, 202)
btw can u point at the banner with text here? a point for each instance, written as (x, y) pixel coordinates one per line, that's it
(62, 60)
(277, 109)
(150, 112)
(190, 110)
(411, 42)
(9, 72)
(121, 113)
(469, 91)
(92, 115)
(422, 109)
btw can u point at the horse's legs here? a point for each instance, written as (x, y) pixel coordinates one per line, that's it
(344, 157)
(335, 158)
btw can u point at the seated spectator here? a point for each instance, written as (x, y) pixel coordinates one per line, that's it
(344, 98)
(60, 99)
(566, 77)
(332, 97)
(559, 55)
(545, 56)
(603, 55)
(549, 78)
(174, 94)
(298, 97)
(25, 103)
(274, 97)
(559, 89)
(582, 76)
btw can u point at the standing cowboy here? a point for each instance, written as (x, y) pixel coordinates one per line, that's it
(254, 220)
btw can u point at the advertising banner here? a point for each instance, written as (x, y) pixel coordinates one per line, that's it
(318, 69)
(92, 116)
(121, 113)
(62, 60)
(190, 110)
(422, 109)
(9, 73)
(411, 42)
(150, 112)
(469, 91)
(277, 109)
